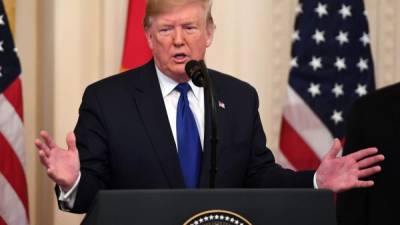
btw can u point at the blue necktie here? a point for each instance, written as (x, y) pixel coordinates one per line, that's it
(189, 147)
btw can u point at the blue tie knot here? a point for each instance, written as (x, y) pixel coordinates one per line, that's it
(183, 88)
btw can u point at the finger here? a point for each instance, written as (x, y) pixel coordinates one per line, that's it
(369, 171)
(363, 153)
(71, 141)
(335, 149)
(364, 184)
(43, 159)
(366, 162)
(41, 146)
(50, 173)
(47, 139)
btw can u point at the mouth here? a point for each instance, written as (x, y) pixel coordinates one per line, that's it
(180, 58)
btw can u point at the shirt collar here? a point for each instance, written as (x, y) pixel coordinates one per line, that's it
(168, 85)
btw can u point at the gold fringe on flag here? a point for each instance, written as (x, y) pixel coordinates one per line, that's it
(10, 9)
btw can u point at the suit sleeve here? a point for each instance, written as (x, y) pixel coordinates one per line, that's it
(352, 205)
(91, 136)
(263, 171)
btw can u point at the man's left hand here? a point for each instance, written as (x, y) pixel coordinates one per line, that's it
(343, 173)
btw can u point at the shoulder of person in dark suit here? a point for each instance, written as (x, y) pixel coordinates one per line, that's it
(373, 121)
(380, 97)
(369, 113)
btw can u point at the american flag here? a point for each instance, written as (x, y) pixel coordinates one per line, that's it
(331, 66)
(13, 188)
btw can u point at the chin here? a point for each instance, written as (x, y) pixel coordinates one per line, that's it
(179, 70)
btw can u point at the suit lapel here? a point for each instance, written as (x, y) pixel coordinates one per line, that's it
(205, 168)
(150, 104)
(206, 163)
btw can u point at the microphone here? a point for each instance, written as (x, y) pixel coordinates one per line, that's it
(198, 72)
(194, 70)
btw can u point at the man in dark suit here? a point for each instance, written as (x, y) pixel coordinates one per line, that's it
(128, 132)
(374, 121)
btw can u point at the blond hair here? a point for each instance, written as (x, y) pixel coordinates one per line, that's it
(157, 7)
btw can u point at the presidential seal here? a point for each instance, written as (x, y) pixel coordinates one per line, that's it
(217, 217)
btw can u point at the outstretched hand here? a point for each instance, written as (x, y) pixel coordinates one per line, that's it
(343, 173)
(62, 164)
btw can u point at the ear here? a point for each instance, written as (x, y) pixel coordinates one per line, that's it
(210, 34)
(149, 37)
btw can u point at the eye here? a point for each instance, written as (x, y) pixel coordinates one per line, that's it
(164, 31)
(190, 28)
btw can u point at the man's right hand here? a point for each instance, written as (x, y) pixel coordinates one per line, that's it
(62, 164)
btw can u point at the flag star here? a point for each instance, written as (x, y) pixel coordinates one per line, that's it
(314, 90)
(296, 36)
(361, 90)
(1, 46)
(294, 63)
(1, 71)
(363, 64)
(340, 63)
(316, 63)
(2, 20)
(365, 13)
(345, 11)
(319, 36)
(338, 90)
(299, 9)
(15, 49)
(343, 37)
(365, 39)
(322, 10)
(337, 116)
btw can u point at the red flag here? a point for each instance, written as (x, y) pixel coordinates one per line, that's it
(13, 188)
(136, 50)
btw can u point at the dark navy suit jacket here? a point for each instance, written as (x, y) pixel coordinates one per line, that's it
(374, 122)
(125, 140)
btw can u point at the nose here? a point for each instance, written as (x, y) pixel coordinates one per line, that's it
(178, 38)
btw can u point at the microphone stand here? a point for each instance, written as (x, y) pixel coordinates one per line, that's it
(209, 91)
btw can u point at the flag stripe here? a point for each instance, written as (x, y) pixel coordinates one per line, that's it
(297, 152)
(12, 170)
(12, 210)
(304, 121)
(11, 128)
(14, 95)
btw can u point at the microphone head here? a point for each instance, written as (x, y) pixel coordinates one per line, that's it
(194, 70)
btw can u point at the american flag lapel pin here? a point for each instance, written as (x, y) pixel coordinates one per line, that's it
(221, 104)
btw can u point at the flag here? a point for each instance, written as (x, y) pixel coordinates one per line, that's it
(331, 66)
(136, 51)
(13, 188)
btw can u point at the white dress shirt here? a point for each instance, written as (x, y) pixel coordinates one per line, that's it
(171, 97)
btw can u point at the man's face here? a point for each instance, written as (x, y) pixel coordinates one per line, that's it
(178, 36)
